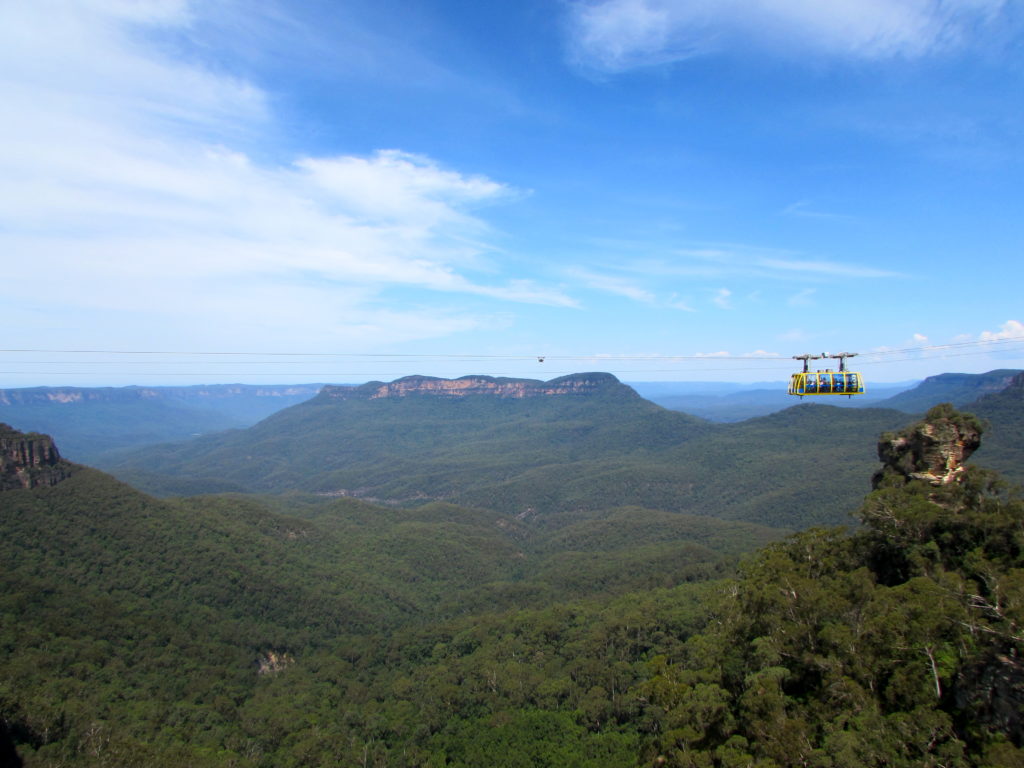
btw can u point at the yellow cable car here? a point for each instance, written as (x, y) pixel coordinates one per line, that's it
(828, 382)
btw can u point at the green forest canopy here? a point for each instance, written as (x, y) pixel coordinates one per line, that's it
(222, 631)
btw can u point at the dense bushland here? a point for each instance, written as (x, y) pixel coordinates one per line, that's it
(302, 631)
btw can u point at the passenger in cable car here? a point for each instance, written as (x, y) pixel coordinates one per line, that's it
(839, 385)
(811, 383)
(825, 385)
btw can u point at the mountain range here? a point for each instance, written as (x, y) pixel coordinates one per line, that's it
(960, 389)
(89, 422)
(735, 402)
(96, 425)
(578, 443)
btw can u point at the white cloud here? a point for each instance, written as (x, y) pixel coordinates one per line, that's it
(721, 298)
(1011, 329)
(615, 285)
(822, 268)
(737, 259)
(760, 353)
(616, 35)
(802, 298)
(920, 338)
(675, 302)
(395, 185)
(131, 178)
(804, 210)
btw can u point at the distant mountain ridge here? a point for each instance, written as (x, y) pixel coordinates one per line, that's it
(88, 422)
(731, 402)
(1003, 445)
(468, 386)
(36, 395)
(523, 447)
(736, 402)
(956, 388)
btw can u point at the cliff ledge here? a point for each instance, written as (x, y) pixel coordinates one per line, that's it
(29, 460)
(466, 386)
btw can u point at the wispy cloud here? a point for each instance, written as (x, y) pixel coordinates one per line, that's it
(759, 353)
(614, 284)
(721, 353)
(675, 302)
(802, 298)
(629, 287)
(140, 179)
(616, 35)
(803, 209)
(741, 260)
(721, 299)
(822, 268)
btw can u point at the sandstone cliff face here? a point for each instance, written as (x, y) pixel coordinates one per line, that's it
(576, 384)
(1014, 388)
(933, 450)
(29, 460)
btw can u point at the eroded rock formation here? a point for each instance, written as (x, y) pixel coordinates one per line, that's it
(29, 460)
(934, 449)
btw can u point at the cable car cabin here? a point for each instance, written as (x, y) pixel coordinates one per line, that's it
(816, 383)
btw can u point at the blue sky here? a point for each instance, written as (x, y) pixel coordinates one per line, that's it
(665, 189)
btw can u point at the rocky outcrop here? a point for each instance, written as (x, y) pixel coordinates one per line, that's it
(466, 386)
(934, 449)
(272, 662)
(29, 460)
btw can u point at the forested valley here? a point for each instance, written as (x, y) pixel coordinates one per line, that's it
(295, 627)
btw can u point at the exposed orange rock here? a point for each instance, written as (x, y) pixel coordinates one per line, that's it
(934, 449)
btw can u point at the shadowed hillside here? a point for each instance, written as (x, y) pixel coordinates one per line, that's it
(1003, 449)
(960, 389)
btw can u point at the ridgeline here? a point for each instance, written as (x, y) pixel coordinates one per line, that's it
(526, 448)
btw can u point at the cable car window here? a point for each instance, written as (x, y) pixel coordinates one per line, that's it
(825, 383)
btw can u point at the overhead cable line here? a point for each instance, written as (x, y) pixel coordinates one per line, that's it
(336, 374)
(404, 355)
(167, 363)
(474, 356)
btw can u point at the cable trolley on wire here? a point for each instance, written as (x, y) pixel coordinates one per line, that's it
(827, 382)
